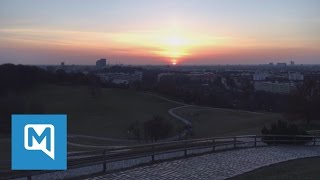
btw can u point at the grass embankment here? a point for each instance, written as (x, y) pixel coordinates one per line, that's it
(307, 168)
(107, 115)
(209, 122)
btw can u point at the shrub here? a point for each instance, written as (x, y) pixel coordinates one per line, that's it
(135, 130)
(157, 128)
(286, 132)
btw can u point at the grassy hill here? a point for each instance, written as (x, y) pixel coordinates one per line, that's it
(209, 122)
(110, 112)
(107, 115)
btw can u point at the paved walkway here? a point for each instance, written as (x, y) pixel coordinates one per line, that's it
(221, 165)
(185, 121)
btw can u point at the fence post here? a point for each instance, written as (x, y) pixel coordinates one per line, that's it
(255, 141)
(104, 161)
(152, 157)
(213, 145)
(234, 142)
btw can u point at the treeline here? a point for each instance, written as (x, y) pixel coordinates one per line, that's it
(302, 104)
(20, 78)
(119, 69)
(17, 80)
(152, 130)
(216, 94)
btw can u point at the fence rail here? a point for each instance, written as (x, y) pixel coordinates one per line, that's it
(149, 153)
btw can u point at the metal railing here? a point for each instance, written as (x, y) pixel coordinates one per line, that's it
(149, 153)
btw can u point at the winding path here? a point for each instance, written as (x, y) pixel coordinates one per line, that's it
(185, 121)
(221, 165)
(170, 111)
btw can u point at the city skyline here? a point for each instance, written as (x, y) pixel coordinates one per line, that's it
(160, 32)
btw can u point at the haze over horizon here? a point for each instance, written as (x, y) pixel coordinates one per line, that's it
(160, 32)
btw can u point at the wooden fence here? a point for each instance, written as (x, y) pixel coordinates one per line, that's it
(150, 153)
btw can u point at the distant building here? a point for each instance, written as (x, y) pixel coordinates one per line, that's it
(224, 82)
(120, 81)
(62, 64)
(161, 75)
(277, 88)
(202, 76)
(271, 64)
(101, 63)
(294, 76)
(281, 64)
(260, 76)
(121, 78)
(292, 63)
(195, 76)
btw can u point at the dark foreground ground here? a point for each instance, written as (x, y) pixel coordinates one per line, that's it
(307, 168)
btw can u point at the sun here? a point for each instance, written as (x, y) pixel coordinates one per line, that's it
(174, 62)
(174, 45)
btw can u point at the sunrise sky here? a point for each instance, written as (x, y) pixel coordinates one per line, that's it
(159, 32)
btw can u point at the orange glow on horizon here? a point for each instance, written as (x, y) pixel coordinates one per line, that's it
(174, 62)
(166, 43)
(176, 46)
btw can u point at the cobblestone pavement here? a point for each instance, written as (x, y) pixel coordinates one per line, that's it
(220, 165)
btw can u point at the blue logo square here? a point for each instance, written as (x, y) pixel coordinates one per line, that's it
(39, 142)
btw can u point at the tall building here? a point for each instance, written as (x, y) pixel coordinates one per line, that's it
(292, 63)
(281, 64)
(101, 63)
(260, 76)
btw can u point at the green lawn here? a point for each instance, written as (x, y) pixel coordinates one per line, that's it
(110, 113)
(107, 115)
(307, 168)
(224, 122)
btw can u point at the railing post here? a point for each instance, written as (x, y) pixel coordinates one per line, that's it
(213, 145)
(104, 161)
(295, 140)
(29, 177)
(185, 149)
(255, 141)
(152, 157)
(314, 140)
(234, 142)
